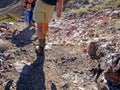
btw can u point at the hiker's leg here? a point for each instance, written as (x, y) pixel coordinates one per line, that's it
(26, 15)
(42, 15)
(40, 33)
(32, 22)
(41, 38)
(30, 16)
(45, 30)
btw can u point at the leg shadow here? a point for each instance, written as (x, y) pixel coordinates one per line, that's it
(23, 37)
(32, 77)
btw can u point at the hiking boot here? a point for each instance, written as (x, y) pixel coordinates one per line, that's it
(33, 24)
(39, 50)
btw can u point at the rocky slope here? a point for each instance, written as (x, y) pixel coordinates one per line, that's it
(82, 52)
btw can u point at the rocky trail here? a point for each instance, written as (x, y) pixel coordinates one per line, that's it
(81, 53)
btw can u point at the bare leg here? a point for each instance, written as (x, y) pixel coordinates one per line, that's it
(41, 33)
(45, 29)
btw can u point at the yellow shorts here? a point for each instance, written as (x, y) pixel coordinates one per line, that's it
(42, 12)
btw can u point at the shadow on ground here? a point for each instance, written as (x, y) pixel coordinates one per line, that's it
(23, 37)
(53, 86)
(32, 77)
(9, 84)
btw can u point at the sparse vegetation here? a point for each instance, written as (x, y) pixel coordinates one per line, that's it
(117, 3)
(97, 8)
(117, 24)
(66, 10)
(105, 4)
(8, 17)
(81, 11)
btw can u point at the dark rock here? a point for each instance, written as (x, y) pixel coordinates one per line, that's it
(112, 76)
(100, 53)
(9, 36)
(17, 53)
(4, 25)
(63, 58)
(96, 71)
(9, 84)
(5, 56)
(113, 71)
(92, 49)
(65, 87)
(104, 88)
(81, 72)
(1, 62)
(115, 14)
(23, 50)
(66, 60)
(1, 82)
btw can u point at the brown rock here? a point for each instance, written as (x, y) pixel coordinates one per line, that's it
(100, 53)
(92, 48)
(113, 71)
(113, 77)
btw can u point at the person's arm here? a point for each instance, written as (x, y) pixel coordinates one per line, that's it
(24, 3)
(60, 5)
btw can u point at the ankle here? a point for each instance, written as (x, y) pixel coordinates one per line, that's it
(42, 42)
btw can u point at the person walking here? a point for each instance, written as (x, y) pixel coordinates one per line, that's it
(29, 7)
(42, 14)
